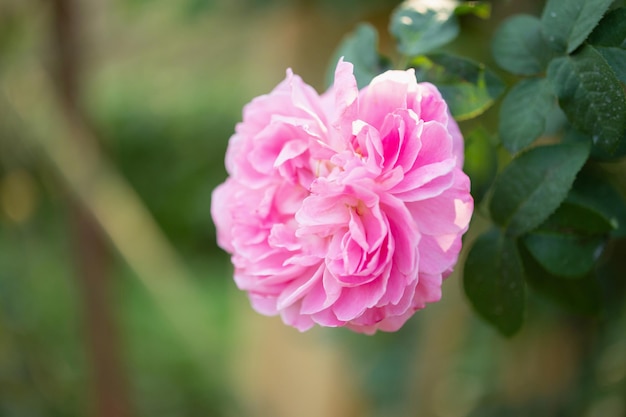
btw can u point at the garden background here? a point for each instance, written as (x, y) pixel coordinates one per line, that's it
(114, 297)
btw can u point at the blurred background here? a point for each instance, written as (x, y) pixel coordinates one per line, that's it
(115, 299)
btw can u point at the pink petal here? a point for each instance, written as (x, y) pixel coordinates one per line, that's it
(432, 106)
(354, 300)
(405, 235)
(436, 144)
(401, 132)
(385, 94)
(327, 318)
(316, 298)
(438, 253)
(449, 212)
(345, 209)
(346, 93)
(220, 212)
(263, 304)
(428, 290)
(298, 288)
(458, 146)
(292, 317)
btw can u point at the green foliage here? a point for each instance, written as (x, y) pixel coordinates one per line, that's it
(43, 368)
(534, 184)
(595, 192)
(524, 113)
(562, 218)
(609, 39)
(164, 375)
(143, 140)
(481, 9)
(468, 87)
(421, 27)
(164, 125)
(591, 96)
(359, 48)
(480, 161)
(564, 254)
(580, 217)
(518, 46)
(574, 56)
(611, 31)
(494, 281)
(567, 23)
(581, 296)
(571, 240)
(616, 58)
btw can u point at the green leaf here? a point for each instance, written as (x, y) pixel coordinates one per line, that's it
(421, 25)
(597, 153)
(518, 46)
(609, 38)
(494, 283)
(468, 87)
(616, 58)
(565, 254)
(593, 190)
(524, 112)
(567, 23)
(591, 96)
(360, 49)
(578, 216)
(480, 162)
(581, 295)
(610, 273)
(611, 30)
(480, 9)
(534, 184)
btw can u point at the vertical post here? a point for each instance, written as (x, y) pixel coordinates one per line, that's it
(108, 387)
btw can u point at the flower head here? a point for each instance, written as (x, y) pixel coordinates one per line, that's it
(347, 208)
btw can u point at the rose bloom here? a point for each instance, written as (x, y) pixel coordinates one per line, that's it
(346, 208)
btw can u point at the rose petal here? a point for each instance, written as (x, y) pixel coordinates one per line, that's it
(345, 209)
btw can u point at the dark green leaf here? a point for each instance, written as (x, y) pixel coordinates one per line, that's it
(581, 295)
(494, 283)
(421, 26)
(480, 162)
(593, 190)
(578, 216)
(597, 152)
(591, 96)
(468, 87)
(360, 48)
(565, 254)
(481, 9)
(556, 121)
(518, 46)
(609, 38)
(534, 184)
(524, 111)
(616, 58)
(610, 273)
(611, 31)
(567, 23)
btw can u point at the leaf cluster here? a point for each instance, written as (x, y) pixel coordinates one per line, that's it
(553, 214)
(551, 221)
(421, 28)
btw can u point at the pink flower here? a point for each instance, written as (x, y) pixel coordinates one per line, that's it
(345, 209)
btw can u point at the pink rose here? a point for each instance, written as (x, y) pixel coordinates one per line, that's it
(345, 209)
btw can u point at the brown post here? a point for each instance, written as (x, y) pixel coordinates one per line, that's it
(108, 387)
